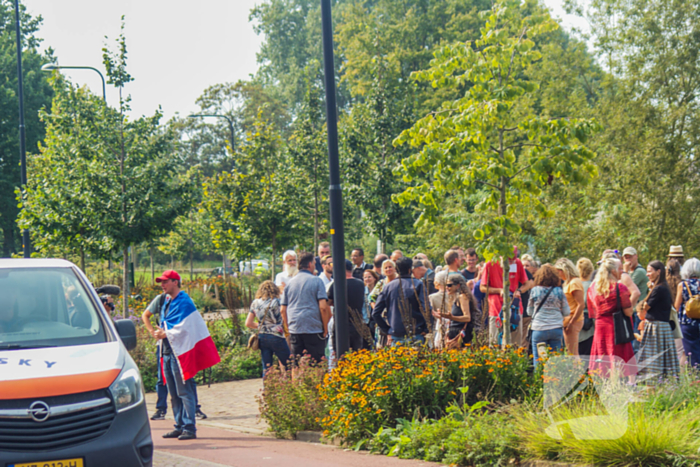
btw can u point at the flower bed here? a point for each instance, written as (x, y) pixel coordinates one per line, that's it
(369, 390)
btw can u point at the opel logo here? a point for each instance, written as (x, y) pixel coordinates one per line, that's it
(39, 411)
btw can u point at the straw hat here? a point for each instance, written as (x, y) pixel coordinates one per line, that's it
(676, 251)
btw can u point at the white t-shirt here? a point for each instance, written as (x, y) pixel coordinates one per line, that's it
(325, 280)
(282, 278)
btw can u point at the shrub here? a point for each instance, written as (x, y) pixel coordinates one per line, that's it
(292, 404)
(369, 390)
(482, 439)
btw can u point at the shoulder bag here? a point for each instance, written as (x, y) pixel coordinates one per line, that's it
(254, 340)
(622, 324)
(692, 306)
(529, 328)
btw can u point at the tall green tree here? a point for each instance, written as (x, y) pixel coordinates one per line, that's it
(369, 157)
(308, 155)
(37, 94)
(256, 207)
(492, 140)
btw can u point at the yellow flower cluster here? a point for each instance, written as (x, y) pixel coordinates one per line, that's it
(370, 389)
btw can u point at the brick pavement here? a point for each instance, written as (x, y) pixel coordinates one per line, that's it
(215, 447)
(229, 406)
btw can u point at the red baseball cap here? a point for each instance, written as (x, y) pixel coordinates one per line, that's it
(169, 274)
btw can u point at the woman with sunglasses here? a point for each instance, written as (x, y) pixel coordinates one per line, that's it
(461, 327)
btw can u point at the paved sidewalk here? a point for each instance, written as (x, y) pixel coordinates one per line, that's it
(215, 447)
(231, 406)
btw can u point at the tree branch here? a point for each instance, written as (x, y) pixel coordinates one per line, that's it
(512, 56)
(487, 184)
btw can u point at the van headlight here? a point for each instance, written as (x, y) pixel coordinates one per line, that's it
(127, 389)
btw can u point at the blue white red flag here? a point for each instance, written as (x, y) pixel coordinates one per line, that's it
(189, 337)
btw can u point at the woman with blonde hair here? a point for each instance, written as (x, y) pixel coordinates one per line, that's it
(607, 296)
(585, 336)
(271, 333)
(573, 291)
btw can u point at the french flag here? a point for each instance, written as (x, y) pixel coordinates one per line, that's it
(189, 337)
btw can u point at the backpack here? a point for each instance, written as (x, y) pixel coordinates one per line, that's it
(692, 306)
(514, 314)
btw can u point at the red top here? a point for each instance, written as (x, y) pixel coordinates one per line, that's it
(494, 275)
(600, 306)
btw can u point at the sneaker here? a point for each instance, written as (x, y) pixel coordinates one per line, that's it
(199, 415)
(173, 434)
(187, 435)
(159, 415)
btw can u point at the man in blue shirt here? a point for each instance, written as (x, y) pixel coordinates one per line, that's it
(404, 294)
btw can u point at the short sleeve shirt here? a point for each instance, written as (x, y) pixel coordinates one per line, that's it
(494, 274)
(640, 279)
(569, 288)
(301, 296)
(268, 315)
(552, 312)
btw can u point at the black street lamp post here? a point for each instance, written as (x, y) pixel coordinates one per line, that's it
(335, 189)
(26, 247)
(51, 67)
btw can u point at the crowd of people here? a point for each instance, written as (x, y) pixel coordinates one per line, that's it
(575, 308)
(613, 312)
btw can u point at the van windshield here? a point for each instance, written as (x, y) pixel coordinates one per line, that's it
(46, 307)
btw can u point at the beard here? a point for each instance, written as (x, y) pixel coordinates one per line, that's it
(291, 270)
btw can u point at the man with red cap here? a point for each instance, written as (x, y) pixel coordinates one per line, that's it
(195, 351)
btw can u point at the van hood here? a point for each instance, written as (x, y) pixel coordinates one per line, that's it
(56, 371)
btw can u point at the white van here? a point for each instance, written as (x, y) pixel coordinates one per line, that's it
(70, 394)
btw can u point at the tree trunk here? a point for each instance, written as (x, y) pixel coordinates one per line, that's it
(274, 255)
(153, 265)
(82, 260)
(125, 286)
(223, 263)
(191, 264)
(506, 270)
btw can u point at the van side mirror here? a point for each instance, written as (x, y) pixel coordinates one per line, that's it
(127, 332)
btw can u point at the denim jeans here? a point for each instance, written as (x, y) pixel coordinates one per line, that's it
(273, 345)
(162, 390)
(181, 395)
(554, 338)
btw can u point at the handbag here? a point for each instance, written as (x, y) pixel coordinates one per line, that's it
(622, 324)
(692, 306)
(587, 321)
(254, 340)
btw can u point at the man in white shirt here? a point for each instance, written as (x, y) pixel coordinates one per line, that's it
(289, 269)
(327, 274)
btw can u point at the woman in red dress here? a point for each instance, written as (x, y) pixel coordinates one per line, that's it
(602, 303)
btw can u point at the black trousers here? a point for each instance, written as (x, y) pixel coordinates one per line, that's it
(313, 344)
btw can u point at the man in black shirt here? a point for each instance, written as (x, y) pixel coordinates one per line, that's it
(358, 260)
(471, 271)
(356, 305)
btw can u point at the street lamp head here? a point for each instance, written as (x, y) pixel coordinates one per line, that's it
(49, 67)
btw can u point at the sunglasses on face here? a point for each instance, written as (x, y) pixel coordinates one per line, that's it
(450, 284)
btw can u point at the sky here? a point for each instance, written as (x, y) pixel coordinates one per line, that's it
(176, 48)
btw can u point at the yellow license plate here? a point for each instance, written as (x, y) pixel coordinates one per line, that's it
(59, 463)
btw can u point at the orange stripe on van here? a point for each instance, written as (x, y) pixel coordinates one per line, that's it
(56, 385)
